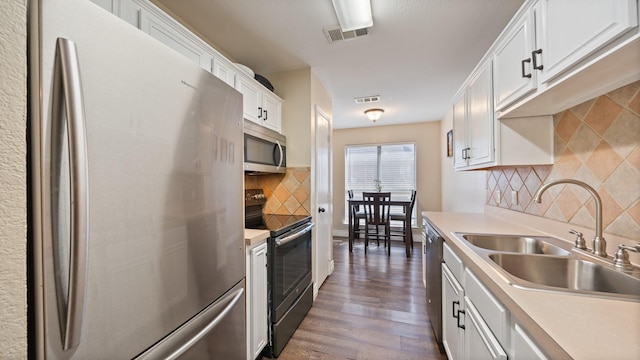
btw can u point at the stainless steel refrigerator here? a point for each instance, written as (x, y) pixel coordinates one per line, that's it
(136, 172)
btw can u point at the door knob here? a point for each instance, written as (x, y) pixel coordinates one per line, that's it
(321, 210)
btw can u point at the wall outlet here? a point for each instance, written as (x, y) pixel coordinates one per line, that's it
(514, 197)
(498, 196)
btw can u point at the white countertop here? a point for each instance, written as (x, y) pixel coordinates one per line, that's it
(253, 237)
(564, 325)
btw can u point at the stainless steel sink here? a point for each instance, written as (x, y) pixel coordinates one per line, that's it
(515, 244)
(567, 274)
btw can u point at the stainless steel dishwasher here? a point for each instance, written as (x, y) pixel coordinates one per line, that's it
(433, 250)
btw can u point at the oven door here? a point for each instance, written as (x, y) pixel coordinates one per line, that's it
(290, 268)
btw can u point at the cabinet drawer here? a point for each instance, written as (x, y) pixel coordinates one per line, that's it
(492, 311)
(453, 262)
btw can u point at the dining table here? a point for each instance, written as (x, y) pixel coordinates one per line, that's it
(402, 201)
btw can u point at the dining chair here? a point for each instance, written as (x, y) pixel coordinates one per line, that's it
(377, 222)
(402, 216)
(357, 216)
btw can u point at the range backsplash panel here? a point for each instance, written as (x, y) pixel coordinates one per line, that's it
(287, 194)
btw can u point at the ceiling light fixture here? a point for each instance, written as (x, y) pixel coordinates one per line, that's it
(353, 14)
(373, 114)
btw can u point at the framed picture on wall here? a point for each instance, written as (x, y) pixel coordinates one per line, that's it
(450, 143)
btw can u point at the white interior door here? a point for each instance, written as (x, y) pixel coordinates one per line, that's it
(323, 212)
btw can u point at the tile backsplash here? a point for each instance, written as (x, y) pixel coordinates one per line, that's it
(287, 194)
(597, 142)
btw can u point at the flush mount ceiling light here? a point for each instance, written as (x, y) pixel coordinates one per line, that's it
(373, 114)
(353, 14)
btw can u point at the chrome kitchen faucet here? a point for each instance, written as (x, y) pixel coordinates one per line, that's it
(599, 244)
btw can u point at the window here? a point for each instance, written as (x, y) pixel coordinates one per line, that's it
(393, 165)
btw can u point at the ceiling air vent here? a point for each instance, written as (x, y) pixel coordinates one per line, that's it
(367, 99)
(334, 33)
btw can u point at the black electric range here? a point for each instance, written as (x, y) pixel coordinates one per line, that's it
(289, 284)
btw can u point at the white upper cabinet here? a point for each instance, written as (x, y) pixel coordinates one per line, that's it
(271, 110)
(480, 117)
(252, 96)
(473, 121)
(573, 29)
(224, 70)
(460, 131)
(513, 74)
(558, 53)
(164, 32)
(260, 105)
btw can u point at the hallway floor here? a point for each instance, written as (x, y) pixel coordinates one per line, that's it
(371, 307)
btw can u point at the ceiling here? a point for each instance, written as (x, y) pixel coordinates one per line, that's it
(415, 58)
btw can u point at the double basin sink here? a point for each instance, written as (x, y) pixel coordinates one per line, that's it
(547, 264)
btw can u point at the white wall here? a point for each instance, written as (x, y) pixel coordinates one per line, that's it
(428, 141)
(462, 191)
(13, 196)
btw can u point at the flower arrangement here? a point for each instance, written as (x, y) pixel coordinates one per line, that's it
(378, 184)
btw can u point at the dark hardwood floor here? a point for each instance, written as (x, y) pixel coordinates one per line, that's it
(371, 307)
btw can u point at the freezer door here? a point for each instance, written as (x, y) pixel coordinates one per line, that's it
(216, 333)
(160, 176)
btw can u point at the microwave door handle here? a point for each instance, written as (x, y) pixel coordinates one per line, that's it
(281, 154)
(284, 240)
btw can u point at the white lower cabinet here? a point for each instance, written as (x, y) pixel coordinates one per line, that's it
(452, 309)
(257, 319)
(479, 342)
(475, 325)
(452, 305)
(523, 347)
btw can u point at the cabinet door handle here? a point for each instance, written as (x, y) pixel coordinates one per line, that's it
(259, 112)
(266, 115)
(534, 57)
(458, 317)
(465, 153)
(453, 309)
(523, 74)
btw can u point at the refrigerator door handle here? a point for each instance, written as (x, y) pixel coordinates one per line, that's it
(67, 103)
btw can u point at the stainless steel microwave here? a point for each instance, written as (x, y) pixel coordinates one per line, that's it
(265, 150)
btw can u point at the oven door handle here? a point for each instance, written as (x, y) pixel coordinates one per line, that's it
(286, 239)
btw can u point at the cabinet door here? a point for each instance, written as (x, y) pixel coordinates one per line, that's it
(163, 32)
(524, 347)
(573, 29)
(452, 310)
(480, 117)
(250, 97)
(513, 74)
(258, 301)
(224, 71)
(271, 111)
(479, 342)
(460, 131)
